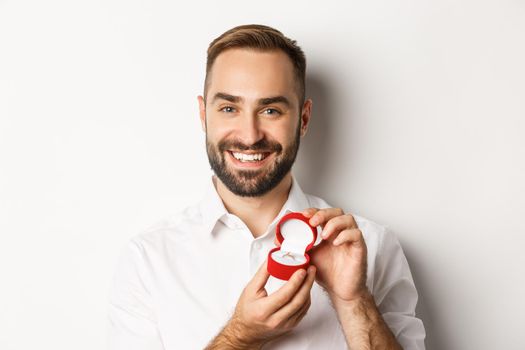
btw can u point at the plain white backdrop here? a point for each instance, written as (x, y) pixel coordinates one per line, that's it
(419, 124)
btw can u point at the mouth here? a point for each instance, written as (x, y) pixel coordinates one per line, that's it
(249, 159)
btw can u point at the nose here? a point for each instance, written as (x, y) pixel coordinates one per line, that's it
(250, 130)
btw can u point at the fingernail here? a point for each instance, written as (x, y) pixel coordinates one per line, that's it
(302, 273)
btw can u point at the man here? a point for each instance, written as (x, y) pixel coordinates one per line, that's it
(198, 279)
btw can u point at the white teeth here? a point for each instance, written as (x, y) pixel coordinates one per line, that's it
(248, 157)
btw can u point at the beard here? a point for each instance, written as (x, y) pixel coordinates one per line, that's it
(252, 183)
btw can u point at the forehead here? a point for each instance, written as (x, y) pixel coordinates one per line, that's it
(253, 74)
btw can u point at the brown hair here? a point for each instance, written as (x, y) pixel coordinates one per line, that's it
(263, 38)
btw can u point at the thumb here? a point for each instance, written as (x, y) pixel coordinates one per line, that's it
(260, 278)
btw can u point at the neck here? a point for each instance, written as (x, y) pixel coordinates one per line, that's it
(256, 212)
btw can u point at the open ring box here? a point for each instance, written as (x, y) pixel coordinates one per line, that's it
(297, 237)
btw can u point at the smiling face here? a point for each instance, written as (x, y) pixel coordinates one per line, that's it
(253, 119)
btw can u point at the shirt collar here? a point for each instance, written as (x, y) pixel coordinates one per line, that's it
(212, 208)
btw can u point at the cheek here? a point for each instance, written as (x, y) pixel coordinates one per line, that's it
(217, 131)
(285, 134)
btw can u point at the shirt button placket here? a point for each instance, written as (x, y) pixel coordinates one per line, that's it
(255, 256)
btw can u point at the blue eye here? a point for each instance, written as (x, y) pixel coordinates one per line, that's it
(227, 109)
(271, 111)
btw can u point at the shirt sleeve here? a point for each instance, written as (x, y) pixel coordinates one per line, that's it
(396, 295)
(132, 323)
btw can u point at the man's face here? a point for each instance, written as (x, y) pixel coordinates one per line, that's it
(252, 119)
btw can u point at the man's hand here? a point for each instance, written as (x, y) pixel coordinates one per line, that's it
(341, 265)
(341, 259)
(259, 317)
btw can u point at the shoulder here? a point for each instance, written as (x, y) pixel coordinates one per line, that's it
(177, 227)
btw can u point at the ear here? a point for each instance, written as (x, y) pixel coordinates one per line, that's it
(202, 112)
(306, 113)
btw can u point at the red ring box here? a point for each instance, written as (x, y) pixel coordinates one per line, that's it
(297, 237)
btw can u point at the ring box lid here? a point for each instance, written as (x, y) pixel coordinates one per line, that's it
(295, 234)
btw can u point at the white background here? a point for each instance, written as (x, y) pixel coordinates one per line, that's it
(419, 123)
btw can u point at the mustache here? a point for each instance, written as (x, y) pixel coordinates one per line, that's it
(261, 145)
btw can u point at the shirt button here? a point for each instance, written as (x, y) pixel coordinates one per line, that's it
(257, 245)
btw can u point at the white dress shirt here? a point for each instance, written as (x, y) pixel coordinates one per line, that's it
(176, 285)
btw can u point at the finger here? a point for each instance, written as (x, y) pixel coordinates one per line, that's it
(309, 212)
(276, 242)
(290, 315)
(290, 321)
(299, 299)
(284, 294)
(299, 315)
(259, 280)
(354, 236)
(294, 319)
(323, 215)
(338, 224)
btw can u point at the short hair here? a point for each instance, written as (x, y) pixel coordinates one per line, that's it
(262, 38)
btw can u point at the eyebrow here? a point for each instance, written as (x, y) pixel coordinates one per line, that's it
(275, 99)
(227, 97)
(262, 101)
